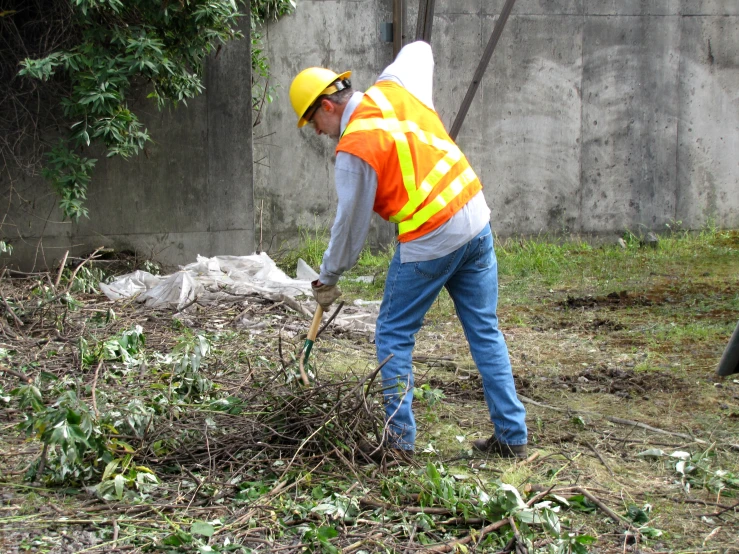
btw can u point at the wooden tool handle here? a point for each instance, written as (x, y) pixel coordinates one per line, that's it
(313, 331)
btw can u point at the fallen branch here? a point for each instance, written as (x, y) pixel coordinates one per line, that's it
(622, 421)
(610, 513)
(602, 461)
(18, 322)
(451, 546)
(21, 376)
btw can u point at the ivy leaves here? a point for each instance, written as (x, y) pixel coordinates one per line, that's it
(122, 47)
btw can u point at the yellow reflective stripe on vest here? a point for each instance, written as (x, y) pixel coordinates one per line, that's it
(415, 199)
(401, 141)
(439, 203)
(376, 123)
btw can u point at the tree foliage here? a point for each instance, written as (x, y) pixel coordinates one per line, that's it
(111, 53)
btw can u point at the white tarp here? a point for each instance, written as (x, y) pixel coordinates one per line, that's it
(210, 280)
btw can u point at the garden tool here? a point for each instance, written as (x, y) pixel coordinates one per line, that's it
(310, 339)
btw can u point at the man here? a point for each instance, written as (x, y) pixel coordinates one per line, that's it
(395, 157)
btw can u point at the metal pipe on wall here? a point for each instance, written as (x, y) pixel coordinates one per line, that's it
(399, 16)
(481, 67)
(425, 21)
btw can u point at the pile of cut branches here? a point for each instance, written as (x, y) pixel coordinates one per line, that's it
(94, 373)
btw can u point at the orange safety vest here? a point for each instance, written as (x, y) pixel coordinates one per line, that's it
(423, 178)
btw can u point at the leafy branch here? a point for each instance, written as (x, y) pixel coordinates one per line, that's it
(110, 51)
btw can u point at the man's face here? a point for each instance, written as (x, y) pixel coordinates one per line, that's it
(326, 119)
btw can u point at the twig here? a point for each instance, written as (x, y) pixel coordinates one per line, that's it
(18, 322)
(330, 319)
(198, 483)
(539, 496)
(451, 546)
(704, 502)
(69, 285)
(520, 548)
(354, 546)
(407, 509)
(76, 269)
(61, 270)
(21, 376)
(94, 387)
(301, 367)
(183, 308)
(586, 443)
(722, 511)
(277, 488)
(42, 463)
(371, 378)
(530, 459)
(610, 513)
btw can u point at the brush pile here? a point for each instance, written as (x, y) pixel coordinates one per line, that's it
(271, 424)
(147, 386)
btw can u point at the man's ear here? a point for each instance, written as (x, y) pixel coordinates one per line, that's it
(327, 106)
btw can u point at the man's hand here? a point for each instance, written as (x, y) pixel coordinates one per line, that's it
(325, 294)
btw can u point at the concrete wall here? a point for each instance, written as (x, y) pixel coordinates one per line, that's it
(189, 193)
(593, 116)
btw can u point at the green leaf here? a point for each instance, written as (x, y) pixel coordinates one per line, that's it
(581, 503)
(326, 533)
(109, 469)
(637, 515)
(180, 538)
(585, 539)
(119, 482)
(202, 528)
(650, 532)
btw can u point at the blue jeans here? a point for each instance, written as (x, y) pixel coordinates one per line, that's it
(470, 274)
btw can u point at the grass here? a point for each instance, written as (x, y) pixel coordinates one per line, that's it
(312, 243)
(596, 333)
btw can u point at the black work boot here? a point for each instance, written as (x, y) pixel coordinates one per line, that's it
(494, 446)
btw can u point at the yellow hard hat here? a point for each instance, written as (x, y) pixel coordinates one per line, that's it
(309, 85)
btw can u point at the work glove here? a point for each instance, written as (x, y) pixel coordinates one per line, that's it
(325, 294)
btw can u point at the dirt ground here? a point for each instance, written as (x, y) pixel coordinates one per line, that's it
(626, 416)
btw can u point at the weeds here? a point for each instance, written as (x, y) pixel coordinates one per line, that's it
(697, 470)
(312, 243)
(79, 440)
(193, 435)
(84, 279)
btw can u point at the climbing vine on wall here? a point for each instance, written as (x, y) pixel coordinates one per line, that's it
(79, 67)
